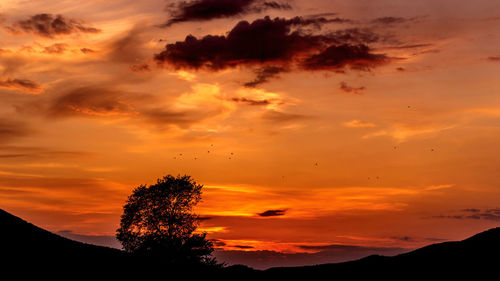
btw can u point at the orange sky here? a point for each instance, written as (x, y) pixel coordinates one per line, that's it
(394, 148)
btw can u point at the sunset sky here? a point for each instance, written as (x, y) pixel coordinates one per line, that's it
(320, 129)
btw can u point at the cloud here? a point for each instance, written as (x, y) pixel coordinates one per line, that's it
(91, 101)
(219, 243)
(262, 41)
(140, 67)
(10, 129)
(492, 214)
(87, 50)
(281, 117)
(348, 89)
(471, 210)
(275, 46)
(21, 84)
(410, 46)
(49, 26)
(359, 124)
(57, 48)
(496, 58)
(252, 102)
(136, 109)
(242, 247)
(129, 47)
(338, 56)
(389, 20)
(38, 152)
(5, 51)
(273, 213)
(203, 10)
(263, 75)
(163, 116)
(403, 238)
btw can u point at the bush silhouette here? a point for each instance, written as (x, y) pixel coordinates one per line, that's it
(158, 222)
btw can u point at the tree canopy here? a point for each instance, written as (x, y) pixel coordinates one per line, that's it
(158, 221)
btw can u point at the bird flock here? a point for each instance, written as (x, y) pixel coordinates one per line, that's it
(231, 155)
(210, 151)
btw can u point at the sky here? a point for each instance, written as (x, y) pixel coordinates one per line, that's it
(322, 130)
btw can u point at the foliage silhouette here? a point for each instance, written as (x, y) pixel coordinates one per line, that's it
(158, 222)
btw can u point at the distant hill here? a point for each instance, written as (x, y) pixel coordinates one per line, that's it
(475, 257)
(29, 250)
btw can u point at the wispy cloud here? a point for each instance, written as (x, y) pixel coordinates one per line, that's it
(49, 26)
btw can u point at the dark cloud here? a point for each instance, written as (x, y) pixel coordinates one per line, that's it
(495, 211)
(337, 57)
(141, 67)
(410, 46)
(252, 101)
(403, 238)
(48, 25)
(10, 129)
(331, 247)
(242, 247)
(471, 210)
(20, 84)
(272, 213)
(203, 10)
(496, 58)
(218, 243)
(351, 90)
(389, 20)
(477, 214)
(411, 239)
(264, 74)
(354, 36)
(204, 218)
(275, 46)
(57, 48)
(262, 41)
(87, 50)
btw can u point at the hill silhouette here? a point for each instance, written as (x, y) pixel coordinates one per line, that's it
(476, 256)
(26, 246)
(26, 249)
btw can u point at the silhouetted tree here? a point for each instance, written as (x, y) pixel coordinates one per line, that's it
(158, 222)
